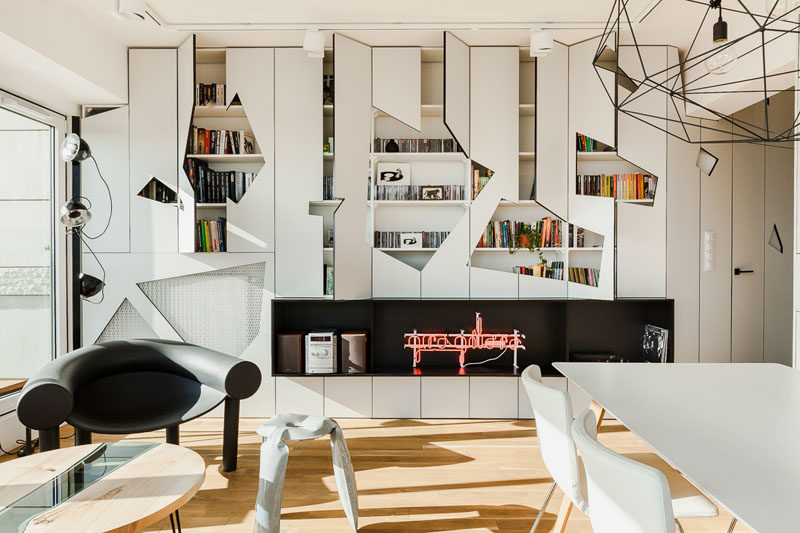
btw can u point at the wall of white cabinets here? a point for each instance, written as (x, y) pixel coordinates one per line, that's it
(510, 114)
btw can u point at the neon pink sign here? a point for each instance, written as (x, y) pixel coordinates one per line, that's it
(462, 342)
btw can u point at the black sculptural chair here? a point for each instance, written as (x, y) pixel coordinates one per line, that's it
(137, 386)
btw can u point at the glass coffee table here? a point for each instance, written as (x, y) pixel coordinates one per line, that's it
(121, 486)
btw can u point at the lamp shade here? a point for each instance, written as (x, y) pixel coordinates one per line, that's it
(74, 148)
(74, 214)
(706, 161)
(90, 285)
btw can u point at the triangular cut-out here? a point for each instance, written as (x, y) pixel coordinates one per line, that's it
(480, 178)
(224, 162)
(638, 186)
(93, 111)
(126, 323)
(158, 191)
(607, 60)
(416, 260)
(528, 241)
(775, 239)
(220, 309)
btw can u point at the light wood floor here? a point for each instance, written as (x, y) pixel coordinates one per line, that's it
(412, 475)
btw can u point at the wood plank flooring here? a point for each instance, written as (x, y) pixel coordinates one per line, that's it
(412, 475)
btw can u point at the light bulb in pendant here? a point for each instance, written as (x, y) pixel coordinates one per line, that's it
(724, 56)
(781, 7)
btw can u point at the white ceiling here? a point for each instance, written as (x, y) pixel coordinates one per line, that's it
(407, 22)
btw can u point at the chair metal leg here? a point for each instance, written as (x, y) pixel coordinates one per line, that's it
(733, 525)
(49, 439)
(230, 435)
(171, 523)
(178, 520)
(82, 436)
(173, 435)
(544, 506)
(680, 527)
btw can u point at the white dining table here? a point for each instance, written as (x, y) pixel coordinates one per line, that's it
(732, 429)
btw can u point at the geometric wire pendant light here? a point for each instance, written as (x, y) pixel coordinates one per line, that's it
(753, 65)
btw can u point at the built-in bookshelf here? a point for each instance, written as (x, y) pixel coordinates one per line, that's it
(222, 157)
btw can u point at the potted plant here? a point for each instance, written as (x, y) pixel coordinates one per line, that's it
(528, 237)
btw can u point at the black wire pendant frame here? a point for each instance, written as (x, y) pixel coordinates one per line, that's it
(627, 89)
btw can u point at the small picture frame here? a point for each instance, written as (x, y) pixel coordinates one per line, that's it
(393, 174)
(411, 241)
(432, 192)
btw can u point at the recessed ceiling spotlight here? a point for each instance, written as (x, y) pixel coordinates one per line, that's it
(541, 42)
(135, 10)
(314, 43)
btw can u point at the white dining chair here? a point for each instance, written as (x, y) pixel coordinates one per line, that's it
(552, 409)
(624, 495)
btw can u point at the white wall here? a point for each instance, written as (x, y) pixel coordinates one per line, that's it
(58, 57)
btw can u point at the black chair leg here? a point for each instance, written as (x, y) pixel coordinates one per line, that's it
(173, 435)
(49, 439)
(82, 436)
(230, 436)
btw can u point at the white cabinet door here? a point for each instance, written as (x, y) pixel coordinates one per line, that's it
(642, 229)
(153, 78)
(352, 132)
(186, 88)
(298, 173)
(250, 73)
(456, 89)
(348, 397)
(493, 397)
(445, 397)
(397, 83)
(302, 396)
(392, 278)
(552, 135)
(395, 397)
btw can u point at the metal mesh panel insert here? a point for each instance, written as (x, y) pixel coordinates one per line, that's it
(220, 309)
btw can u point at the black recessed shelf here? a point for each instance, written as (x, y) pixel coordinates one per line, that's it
(553, 328)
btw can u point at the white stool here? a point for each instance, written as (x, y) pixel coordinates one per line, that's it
(275, 456)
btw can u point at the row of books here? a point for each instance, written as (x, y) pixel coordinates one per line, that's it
(156, 190)
(584, 276)
(554, 271)
(414, 145)
(327, 187)
(410, 240)
(215, 186)
(209, 94)
(211, 235)
(414, 192)
(501, 233)
(619, 186)
(220, 142)
(479, 181)
(587, 144)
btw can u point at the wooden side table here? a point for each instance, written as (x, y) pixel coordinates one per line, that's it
(119, 487)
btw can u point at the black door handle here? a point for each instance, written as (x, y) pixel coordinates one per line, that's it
(737, 271)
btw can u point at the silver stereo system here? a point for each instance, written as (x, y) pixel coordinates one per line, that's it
(321, 356)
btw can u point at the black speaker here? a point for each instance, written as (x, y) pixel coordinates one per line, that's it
(290, 353)
(354, 352)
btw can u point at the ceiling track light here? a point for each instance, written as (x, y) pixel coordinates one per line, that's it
(314, 43)
(541, 42)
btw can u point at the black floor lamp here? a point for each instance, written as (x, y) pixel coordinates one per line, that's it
(74, 215)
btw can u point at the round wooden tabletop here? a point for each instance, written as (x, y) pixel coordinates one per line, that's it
(139, 493)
